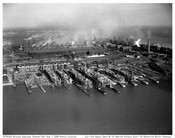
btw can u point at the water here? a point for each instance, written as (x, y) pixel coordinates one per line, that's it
(145, 109)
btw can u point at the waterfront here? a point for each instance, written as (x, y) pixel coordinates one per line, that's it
(145, 109)
(105, 70)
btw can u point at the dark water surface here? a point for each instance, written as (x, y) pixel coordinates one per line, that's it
(145, 109)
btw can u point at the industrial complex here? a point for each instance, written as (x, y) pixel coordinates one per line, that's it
(99, 64)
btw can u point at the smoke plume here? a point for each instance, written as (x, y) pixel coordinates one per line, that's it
(83, 21)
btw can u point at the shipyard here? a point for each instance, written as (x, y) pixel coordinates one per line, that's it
(110, 63)
(93, 72)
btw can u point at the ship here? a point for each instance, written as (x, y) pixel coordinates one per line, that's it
(156, 67)
(128, 76)
(47, 75)
(97, 84)
(66, 80)
(143, 80)
(40, 81)
(138, 76)
(107, 82)
(80, 81)
(31, 80)
(115, 77)
(82, 89)
(143, 73)
(55, 79)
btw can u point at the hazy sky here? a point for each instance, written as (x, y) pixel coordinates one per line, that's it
(86, 15)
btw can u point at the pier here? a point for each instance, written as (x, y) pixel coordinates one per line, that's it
(85, 78)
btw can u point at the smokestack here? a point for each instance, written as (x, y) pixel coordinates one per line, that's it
(28, 43)
(149, 35)
(148, 44)
(52, 40)
(132, 76)
(97, 64)
(94, 38)
(106, 63)
(113, 60)
(53, 67)
(127, 42)
(37, 41)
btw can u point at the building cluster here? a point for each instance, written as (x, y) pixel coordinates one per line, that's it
(45, 41)
(51, 44)
(94, 76)
(85, 63)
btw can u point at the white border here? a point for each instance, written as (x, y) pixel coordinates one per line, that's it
(77, 1)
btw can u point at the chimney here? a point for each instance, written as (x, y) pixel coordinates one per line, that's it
(52, 40)
(148, 45)
(132, 76)
(28, 43)
(94, 38)
(127, 42)
(149, 35)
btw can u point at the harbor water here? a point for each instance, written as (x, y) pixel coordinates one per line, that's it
(145, 109)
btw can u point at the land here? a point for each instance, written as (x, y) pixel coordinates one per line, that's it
(47, 59)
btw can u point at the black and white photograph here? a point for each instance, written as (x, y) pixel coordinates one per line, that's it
(87, 69)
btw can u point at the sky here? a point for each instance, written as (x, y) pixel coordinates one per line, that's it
(86, 15)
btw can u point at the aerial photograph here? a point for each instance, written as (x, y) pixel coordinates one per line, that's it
(87, 69)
